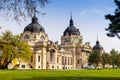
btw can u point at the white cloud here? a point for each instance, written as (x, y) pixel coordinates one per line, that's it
(103, 11)
(91, 12)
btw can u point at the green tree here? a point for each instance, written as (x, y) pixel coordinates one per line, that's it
(118, 60)
(21, 8)
(105, 59)
(113, 56)
(114, 26)
(12, 47)
(94, 58)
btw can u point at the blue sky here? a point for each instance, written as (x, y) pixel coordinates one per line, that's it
(88, 16)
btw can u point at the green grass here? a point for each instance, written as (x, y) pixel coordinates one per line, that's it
(60, 74)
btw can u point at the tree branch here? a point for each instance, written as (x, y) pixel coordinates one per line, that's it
(118, 35)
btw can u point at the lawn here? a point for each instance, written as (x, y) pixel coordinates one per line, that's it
(60, 74)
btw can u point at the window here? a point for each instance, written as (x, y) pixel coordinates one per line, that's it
(38, 58)
(57, 60)
(31, 59)
(52, 51)
(42, 37)
(62, 60)
(34, 37)
(66, 40)
(80, 40)
(65, 67)
(30, 66)
(38, 66)
(78, 61)
(65, 60)
(51, 57)
(52, 66)
(26, 37)
(57, 67)
(71, 60)
(73, 40)
(23, 66)
(68, 61)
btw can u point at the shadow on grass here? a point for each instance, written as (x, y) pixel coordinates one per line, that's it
(69, 78)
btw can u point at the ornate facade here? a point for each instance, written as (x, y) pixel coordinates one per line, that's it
(70, 54)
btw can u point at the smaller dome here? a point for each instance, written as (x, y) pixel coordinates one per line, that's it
(71, 29)
(97, 46)
(34, 26)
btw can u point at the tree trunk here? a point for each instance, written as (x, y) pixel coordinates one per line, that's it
(3, 66)
(113, 66)
(103, 65)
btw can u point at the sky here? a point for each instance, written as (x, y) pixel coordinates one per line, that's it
(88, 17)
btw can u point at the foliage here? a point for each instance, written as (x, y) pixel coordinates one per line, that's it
(106, 74)
(94, 58)
(118, 60)
(105, 59)
(114, 26)
(12, 47)
(20, 8)
(112, 58)
(115, 61)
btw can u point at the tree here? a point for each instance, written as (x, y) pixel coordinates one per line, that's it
(114, 26)
(21, 8)
(94, 58)
(118, 60)
(12, 47)
(113, 56)
(105, 59)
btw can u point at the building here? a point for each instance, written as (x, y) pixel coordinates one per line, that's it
(99, 48)
(70, 54)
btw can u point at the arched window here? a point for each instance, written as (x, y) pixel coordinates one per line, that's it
(65, 60)
(62, 60)
(66, 40)
(68, 61)
(42, 37)
(31, 58)
(52, 51)
(26, 37)
(38, 58)
(57, 59)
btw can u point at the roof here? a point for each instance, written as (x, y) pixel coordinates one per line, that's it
(97, 46)
(34, 26)
(71, 29)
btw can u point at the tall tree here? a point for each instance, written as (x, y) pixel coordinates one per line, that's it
(105, 59)
(113, 57)
(94, 58)
(12, 47)
(114, 26)
(118, 60)
(21, 8)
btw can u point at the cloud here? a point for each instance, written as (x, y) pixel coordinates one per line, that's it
(103, 11)
(91, 12)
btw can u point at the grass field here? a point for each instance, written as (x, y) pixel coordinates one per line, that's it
(60, 74)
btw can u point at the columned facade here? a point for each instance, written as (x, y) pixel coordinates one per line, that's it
(70, 54)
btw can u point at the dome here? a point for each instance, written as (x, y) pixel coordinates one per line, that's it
(34, 26)
(71, 29)
(97, 46)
